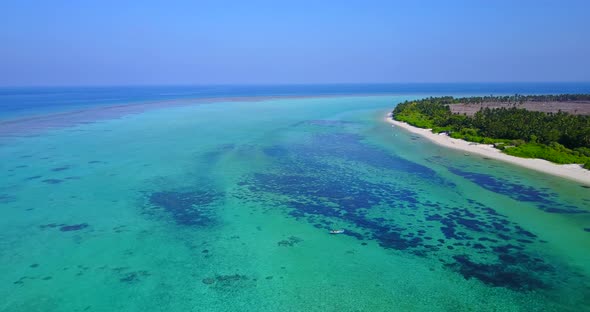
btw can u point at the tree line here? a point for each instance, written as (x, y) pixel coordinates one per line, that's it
(517, 98)
(559, 137)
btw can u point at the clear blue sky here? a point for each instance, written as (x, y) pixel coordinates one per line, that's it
(250, 42)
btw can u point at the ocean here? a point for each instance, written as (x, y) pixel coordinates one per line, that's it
(222, 198)
(22, 101)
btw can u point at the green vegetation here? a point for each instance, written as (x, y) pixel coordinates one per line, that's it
(517, 98)
(558, 137)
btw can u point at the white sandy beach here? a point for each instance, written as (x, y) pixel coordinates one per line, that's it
(572, 172)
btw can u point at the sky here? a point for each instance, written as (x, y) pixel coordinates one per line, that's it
(46, 43)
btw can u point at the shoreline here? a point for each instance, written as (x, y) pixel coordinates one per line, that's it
(569, 171)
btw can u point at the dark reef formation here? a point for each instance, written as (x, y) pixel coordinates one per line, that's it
(541, 197)
(186, 208)
(290, 242)
(65, 227)
(317, 182)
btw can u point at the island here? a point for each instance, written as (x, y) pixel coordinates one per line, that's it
(549, 133)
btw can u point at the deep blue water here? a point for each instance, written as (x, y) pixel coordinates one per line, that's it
(22, 101)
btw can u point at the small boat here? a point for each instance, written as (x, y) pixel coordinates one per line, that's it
(336, 231)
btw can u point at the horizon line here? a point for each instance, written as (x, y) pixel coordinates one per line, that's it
(287, 84)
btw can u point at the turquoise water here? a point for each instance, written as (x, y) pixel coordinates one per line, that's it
(227, 206)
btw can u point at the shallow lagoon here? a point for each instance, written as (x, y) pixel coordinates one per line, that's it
(227, 206)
